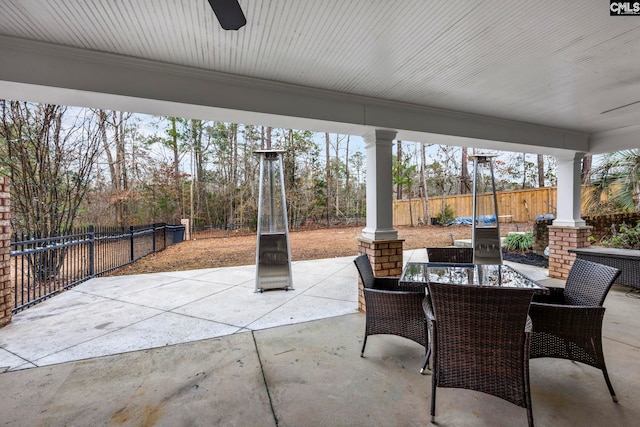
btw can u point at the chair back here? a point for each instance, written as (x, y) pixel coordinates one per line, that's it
(365, 270)
(450, 255)
(480, 342)
(588, 283)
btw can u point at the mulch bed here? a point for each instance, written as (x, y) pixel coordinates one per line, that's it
(529, 258)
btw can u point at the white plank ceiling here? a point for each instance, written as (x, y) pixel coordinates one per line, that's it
(563, 64)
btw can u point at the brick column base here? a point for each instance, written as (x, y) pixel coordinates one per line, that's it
(385, 257)
(6, 291)
(561, 239)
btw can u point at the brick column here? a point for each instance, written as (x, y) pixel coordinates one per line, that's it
(385, 257)
(561, 239)
(6, 292)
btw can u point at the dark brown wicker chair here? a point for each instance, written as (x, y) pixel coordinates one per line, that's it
(453, 255)
(567, 323)
(390, 308)
(450, 255)
(482, 342)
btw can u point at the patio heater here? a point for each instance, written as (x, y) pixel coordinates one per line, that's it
(486, 228)
(273, 255)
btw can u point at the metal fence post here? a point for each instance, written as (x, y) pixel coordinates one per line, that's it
(92, 248)
(131, 258)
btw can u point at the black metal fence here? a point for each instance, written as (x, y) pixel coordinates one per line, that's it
(44, 266)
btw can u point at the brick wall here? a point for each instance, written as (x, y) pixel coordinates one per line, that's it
(541, 235)
(602, 223)
(6, 292)
(386, 260)
(601, 227)
(561, 239)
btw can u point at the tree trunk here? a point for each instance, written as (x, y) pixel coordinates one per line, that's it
(119, 134)
(587, 163)
(328, 175)
(337, 177)
(410, 210)
(346, 180)
(540, 171)
(426, 211)
(268, 140)
(465, 186)
(176, 168)
(524, 170)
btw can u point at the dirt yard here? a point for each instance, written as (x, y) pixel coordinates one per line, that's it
(315, 244)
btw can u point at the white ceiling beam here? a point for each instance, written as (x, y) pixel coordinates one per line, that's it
(42, 72)
(615, 140)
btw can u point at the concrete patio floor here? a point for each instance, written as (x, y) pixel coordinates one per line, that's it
(201, 348)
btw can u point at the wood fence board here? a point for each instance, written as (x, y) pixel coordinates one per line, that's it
(521, 205)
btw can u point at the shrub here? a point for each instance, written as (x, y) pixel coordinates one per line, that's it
(446, 217)
(518, 241)
(626, 238)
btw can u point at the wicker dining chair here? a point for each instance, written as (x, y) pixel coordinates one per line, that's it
(452, 255)
(567, 323)
(390, 308)
(482, 342)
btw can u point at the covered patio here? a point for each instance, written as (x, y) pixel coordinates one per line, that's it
(490, 75)
(201, 348)
(541, 77)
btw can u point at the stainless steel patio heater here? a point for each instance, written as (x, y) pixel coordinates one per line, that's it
(486, 228)
(273, 255)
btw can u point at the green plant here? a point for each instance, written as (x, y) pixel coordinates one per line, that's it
(626, 237)
(446, 217)
(518, 241)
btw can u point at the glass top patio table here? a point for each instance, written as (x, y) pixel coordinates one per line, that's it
(493, 275)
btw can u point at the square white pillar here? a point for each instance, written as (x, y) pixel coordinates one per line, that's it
(378, 145)
(569, 202)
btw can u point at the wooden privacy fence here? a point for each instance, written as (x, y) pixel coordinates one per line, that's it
(516, 206)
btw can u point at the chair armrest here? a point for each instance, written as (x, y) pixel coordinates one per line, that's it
(555, 296)
(384, 302)
(565, 320)
(428, 309)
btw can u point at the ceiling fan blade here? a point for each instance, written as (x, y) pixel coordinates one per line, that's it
(229, 14)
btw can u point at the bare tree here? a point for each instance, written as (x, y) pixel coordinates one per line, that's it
(399, 180)
(49, 154)
(112, 125)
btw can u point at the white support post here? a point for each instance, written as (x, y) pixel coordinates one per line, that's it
(569, 195)
(379, 186)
